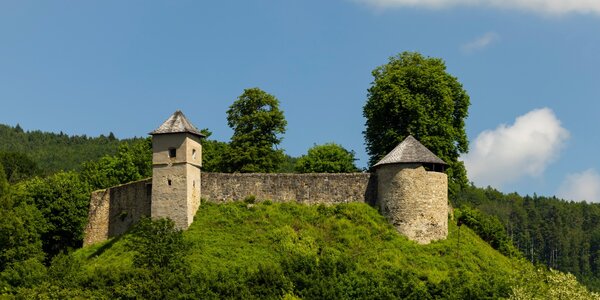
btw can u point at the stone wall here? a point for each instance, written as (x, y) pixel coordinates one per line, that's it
(301, 188)
(414, 200)
(114, 210)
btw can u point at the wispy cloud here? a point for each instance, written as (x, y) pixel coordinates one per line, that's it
(510, 152)
(581, 186)
(480, 42)
(548, 7)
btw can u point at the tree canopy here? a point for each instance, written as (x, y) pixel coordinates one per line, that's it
(327, 158)
(257, 124)
(414, 95)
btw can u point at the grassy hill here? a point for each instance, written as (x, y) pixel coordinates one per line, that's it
(273, 251)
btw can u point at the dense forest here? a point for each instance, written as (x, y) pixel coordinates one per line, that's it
(560, 234)
(52, 152)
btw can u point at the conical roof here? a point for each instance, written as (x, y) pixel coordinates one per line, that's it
(410, 151)
(177, 123)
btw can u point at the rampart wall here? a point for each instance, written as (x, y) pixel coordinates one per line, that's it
(114, 210)
(301, 188)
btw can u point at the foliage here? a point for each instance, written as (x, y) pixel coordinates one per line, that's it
(257, 124)
(63, 200)
(213, 154)
(414, 95)
(489, 228)
(558, 286)
(18, 166)
(53, 152)
(288, 165)
(327, 158)
(556, 233)
(158, 244)
(21, 226)
(131, 163)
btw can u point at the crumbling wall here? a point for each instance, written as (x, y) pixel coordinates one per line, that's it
(301, 188)
(114, 210)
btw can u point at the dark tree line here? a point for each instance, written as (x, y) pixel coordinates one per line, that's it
(53, 152)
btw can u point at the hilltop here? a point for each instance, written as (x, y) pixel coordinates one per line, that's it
(283, 250)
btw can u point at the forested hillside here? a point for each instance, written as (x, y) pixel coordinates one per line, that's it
(559, 234)
(53, 152)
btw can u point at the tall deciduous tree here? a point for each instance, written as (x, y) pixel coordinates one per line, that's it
(257, 124)
(414, 95)
(63, 200)
(327, 158)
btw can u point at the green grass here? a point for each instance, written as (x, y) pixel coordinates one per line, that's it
(246, 236)
(274, 250)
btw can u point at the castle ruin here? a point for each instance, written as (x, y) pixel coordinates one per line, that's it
(409, 187)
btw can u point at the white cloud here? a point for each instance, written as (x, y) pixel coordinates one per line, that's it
(581, 186)
(510, 152)
(481, 42)
(549, 7)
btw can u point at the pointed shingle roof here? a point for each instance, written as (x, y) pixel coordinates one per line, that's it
(177, 123)
(410, 151)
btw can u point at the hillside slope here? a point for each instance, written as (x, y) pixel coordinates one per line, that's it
(349, 251)
(56, 151)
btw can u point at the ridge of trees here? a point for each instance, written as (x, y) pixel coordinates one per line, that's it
(53, 152)
(559, 234)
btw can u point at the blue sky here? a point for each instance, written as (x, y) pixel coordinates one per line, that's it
(531, 68)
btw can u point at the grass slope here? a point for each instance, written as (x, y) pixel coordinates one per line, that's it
(238, 238)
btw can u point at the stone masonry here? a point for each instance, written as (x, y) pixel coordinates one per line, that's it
(414, 201)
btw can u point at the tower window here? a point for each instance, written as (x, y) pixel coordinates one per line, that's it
(169, 181)
(172, 152)
(194, 154)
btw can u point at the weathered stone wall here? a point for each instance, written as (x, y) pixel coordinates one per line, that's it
(301, 188)
(114, 210)
(414, 200)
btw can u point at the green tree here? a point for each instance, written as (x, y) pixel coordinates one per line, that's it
(63, 200)
(18, 166)
(213, 153)
(158, 245)
(21, 226)
(257, 124)
(327, 158)
(132, 162)
(414, 95)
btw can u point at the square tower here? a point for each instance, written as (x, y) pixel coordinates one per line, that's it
(176, 163)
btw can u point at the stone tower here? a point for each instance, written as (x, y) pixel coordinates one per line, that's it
(176, 163)
(412, 191)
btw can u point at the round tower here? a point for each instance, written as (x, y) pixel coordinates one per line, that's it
(176, 163)
(412, 191)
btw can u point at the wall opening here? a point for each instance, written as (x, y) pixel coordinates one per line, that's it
(194, 154)
(434, 167)
(169, 181)
(172, 152)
